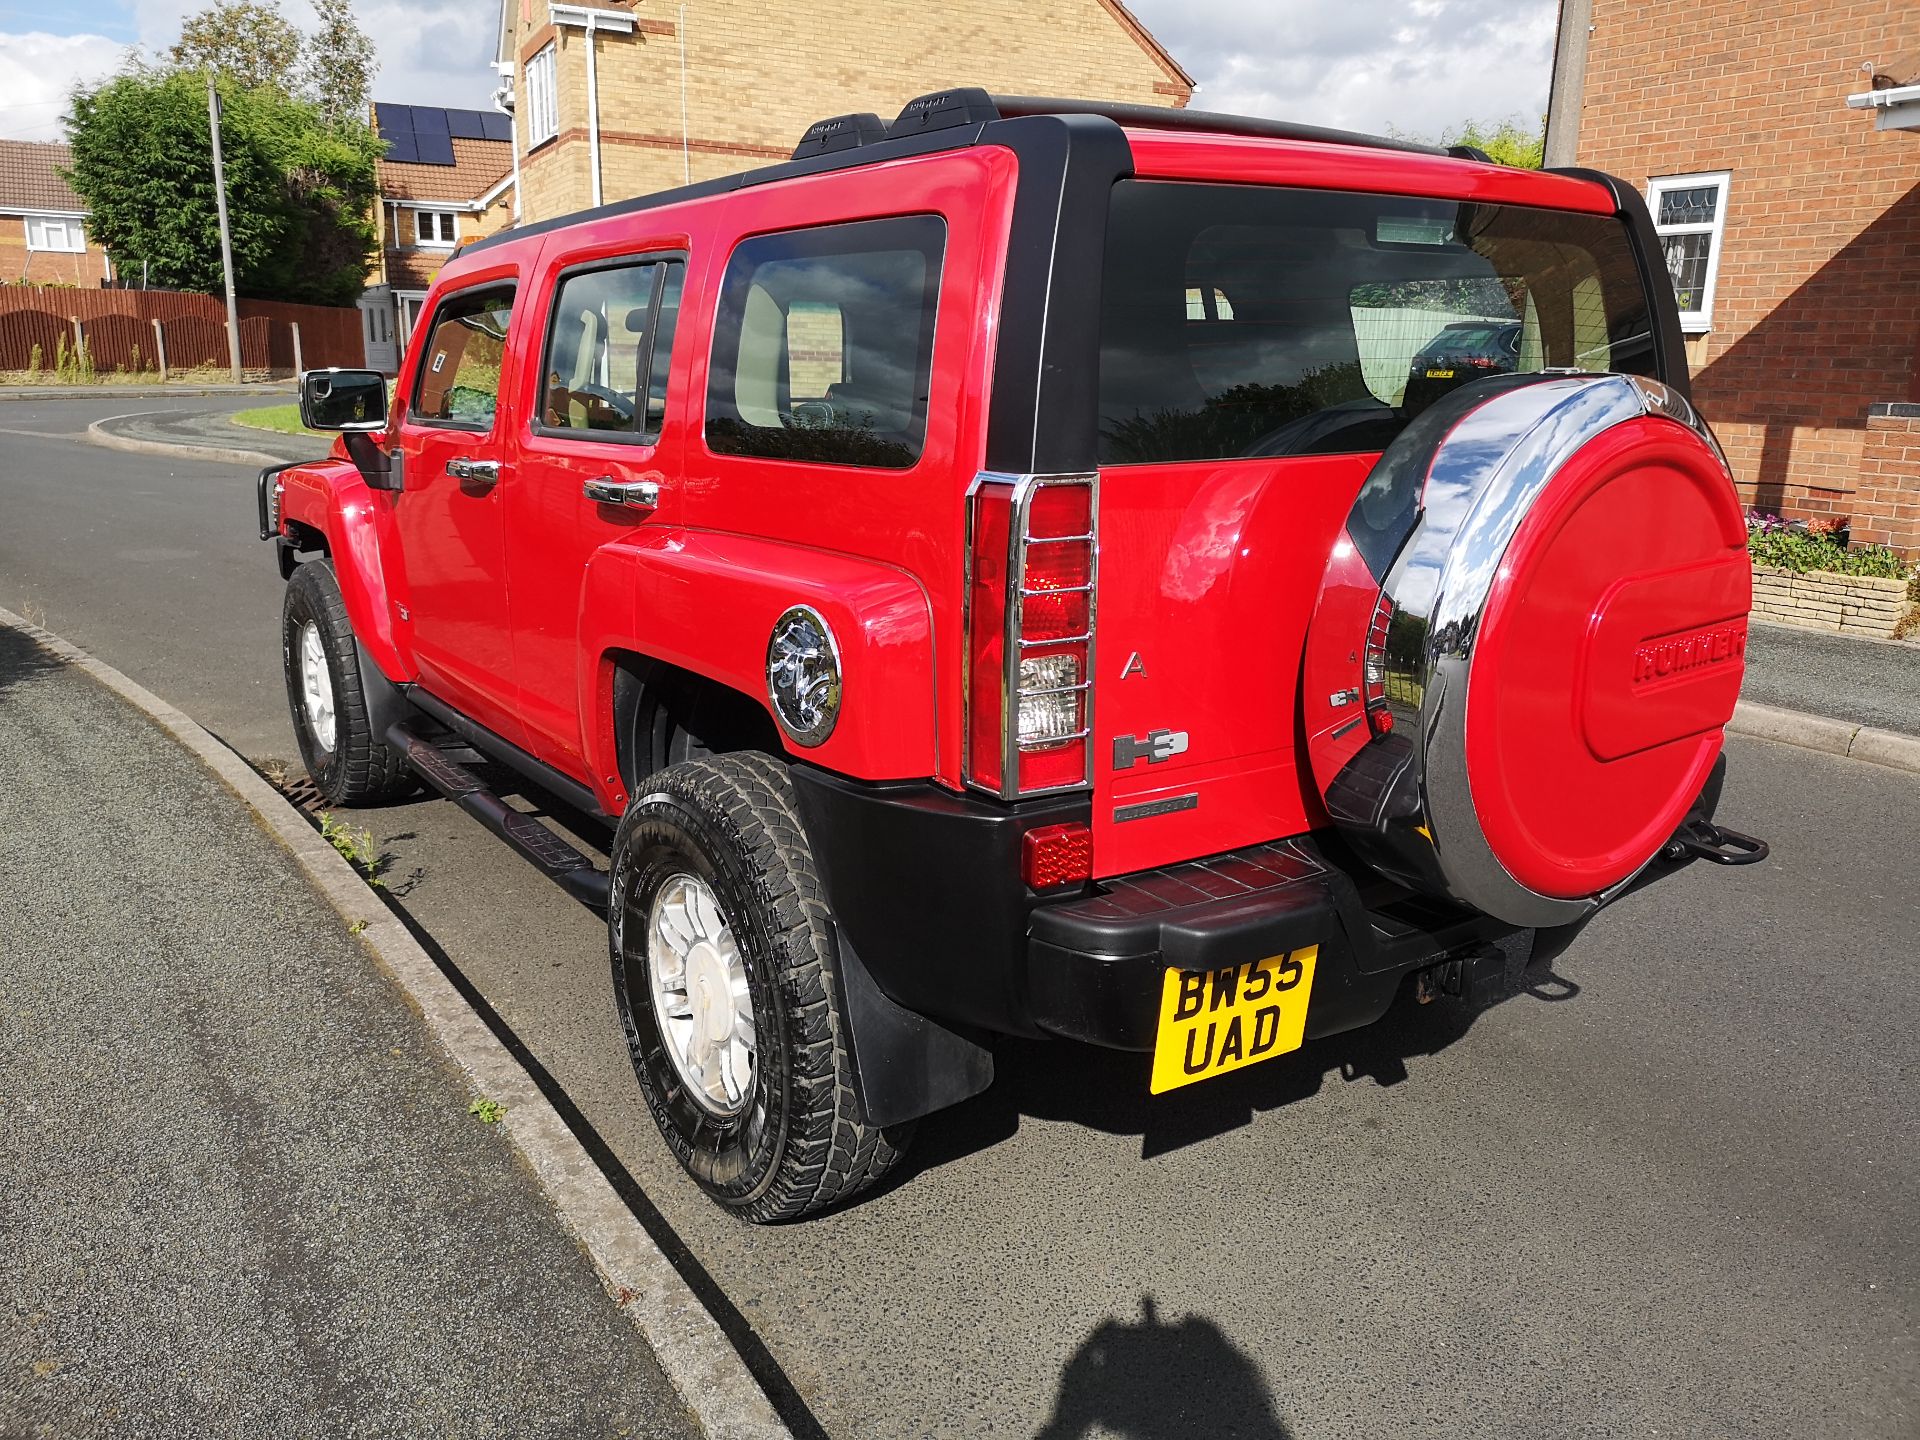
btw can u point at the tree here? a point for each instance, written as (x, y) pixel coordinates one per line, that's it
(253, 43)
(1507, 141)
(340, 66)
(299, 192)
(250, 42)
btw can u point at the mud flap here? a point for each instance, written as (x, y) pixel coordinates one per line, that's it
(904, 1065)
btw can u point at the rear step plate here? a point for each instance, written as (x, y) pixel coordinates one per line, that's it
(549, 853)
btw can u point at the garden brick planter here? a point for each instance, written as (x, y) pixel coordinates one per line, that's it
(1820, 600)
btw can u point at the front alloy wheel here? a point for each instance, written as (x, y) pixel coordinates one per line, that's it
(316, 686)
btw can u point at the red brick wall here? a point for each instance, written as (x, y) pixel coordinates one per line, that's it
(1889, 490)
(1819, 284)
(44, 267)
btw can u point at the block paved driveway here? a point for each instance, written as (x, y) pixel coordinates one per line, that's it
(1670, 1189)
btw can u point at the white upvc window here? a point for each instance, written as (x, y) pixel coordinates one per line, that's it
(47, 232)
(542, 101)
(438, 228)
(1690, 216)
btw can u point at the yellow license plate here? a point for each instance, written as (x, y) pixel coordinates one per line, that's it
(1213, 1021)
(1439, 374)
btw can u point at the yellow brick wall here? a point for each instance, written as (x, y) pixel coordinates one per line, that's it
(758, 72)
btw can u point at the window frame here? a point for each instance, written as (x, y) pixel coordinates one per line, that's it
(643, 375)
(431, 422)
(1698, 321)
(720, 325)
(72, 226)
(421, 242)
(543, 95)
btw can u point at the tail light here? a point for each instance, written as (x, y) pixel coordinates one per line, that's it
(1374, 683)
(1032, 558)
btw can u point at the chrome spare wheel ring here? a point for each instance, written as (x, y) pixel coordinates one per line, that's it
(316, 686)
(700, 995)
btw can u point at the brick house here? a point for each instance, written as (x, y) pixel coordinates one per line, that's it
(43, 231)
(447, 178)
(631, 96)
(1791, 221)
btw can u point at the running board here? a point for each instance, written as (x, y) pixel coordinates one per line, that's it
(552, 856)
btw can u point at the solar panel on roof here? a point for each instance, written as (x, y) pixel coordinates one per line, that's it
(467, 124)
(396, 120)
(434, 149)
(427, 120)
(401, 148)
(497, 126)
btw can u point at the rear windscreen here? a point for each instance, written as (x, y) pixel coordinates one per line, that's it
(1248, 321)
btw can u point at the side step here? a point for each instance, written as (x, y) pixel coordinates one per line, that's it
(555, 858)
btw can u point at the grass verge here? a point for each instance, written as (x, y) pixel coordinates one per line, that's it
(281, 419)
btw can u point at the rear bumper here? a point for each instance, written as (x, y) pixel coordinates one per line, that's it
(925, 887)
(1095, 966)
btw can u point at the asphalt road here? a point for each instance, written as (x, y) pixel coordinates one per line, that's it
(243, 1193)
(1668, 1189)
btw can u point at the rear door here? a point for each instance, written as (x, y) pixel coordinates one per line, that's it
(1256, 352)
(595, 463)
(448, 511)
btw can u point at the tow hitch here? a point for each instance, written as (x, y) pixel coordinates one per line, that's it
(1703, 840)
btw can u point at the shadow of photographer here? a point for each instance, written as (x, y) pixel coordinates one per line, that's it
(1155, 1380)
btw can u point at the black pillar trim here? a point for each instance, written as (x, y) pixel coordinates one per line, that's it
(1669, 344)
(1044, 413)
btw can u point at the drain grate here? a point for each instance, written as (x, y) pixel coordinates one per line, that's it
(304, 794)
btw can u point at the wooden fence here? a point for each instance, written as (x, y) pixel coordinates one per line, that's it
(154, 330)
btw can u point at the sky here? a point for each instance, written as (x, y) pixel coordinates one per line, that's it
(1418, 67)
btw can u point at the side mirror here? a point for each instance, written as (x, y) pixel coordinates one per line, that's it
(346, 400)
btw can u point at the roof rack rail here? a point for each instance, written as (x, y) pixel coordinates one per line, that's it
(1157, 117)
(840, 132)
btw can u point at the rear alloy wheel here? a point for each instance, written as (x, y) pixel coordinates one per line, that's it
(721, 946)
(350, 765)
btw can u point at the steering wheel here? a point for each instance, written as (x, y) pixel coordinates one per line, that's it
(599, 397)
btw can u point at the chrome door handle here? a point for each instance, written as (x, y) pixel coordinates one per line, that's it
(639, 494)
(485, 471)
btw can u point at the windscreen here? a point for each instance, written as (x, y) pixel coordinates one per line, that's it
(1248, 321)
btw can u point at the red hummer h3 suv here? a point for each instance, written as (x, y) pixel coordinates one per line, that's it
(995, 575)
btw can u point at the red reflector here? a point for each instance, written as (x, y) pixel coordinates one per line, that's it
(1056, 855)
(1380, 719)
(986, 636)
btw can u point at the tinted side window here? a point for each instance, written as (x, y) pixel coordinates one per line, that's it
(608, 340)
(1242, 320)
(823, 345)
(459, 381)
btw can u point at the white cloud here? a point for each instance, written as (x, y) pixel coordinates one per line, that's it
(37, 71)
(1368, 65)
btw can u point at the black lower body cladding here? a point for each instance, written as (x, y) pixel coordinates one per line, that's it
(926, 886)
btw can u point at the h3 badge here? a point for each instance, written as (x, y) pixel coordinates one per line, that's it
(1158, 746)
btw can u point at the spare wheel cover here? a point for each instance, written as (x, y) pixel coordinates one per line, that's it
(1570, 614)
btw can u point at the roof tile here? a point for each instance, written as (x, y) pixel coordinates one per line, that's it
(478, 166)
(30, 178)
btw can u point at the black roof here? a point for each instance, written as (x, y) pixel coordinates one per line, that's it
(949, 120)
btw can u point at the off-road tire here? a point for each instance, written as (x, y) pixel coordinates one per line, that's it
(361, 768)
(798, 1146)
